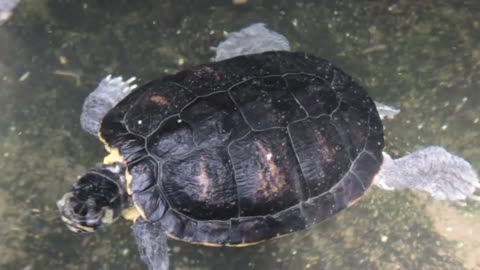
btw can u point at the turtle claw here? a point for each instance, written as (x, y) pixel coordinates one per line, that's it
(129, 81)
(115, 84)
(132, 87)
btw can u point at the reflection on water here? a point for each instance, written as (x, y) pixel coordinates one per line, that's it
(422, 57)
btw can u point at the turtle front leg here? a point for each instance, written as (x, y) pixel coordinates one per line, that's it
(152, 244)
(252, 39)
(108, 93)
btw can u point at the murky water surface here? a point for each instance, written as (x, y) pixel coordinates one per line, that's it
(422, 56)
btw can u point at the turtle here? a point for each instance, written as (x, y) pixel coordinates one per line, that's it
(257, 144)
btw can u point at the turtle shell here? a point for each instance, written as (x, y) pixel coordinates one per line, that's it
(247, 149)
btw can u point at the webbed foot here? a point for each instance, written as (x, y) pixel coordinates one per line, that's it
(252, 39)
(443, 175)
(108, 93)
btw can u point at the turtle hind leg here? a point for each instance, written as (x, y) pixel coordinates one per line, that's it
(386, 111)
(434, 170)
(108, 93)
(255, 38)
(152, 244)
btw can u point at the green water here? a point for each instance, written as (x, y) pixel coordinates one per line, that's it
(421, 56)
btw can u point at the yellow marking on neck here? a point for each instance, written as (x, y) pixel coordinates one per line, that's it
(113, 157)
(128, 181)
(99, 135)
(140, 211)
(131, 213)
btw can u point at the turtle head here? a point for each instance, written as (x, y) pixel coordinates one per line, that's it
(96, 199)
